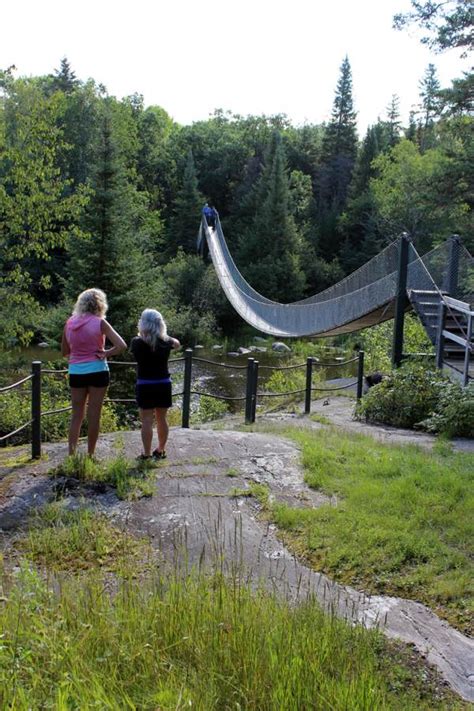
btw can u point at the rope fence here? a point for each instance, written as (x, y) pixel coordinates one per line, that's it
(250, 399)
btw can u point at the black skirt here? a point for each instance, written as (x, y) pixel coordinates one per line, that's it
(150, 396)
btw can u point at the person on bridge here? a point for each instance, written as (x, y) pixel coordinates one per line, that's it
(151, 349)
(83, 342)
(207, 212)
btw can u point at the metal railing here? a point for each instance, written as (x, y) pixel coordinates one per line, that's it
(463, 317)
(251, 397)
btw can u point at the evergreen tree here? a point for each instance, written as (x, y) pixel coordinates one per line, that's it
(411, 131)
(270, 256)
(109, 257)
(429, 105)
(64, 79)
(339, 151)
(186, 212)
(358, 225)
(393, 120)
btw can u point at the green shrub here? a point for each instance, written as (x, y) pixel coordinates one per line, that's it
(209, 409)
(377, 342)
(15, 410)
(407, 396)
(454, 415)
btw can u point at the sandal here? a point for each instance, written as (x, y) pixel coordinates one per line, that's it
(158, 455)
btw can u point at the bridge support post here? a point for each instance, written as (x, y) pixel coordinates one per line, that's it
(401, 301)
(249, 392)
(188, 369)
(36, 409)
(453, 265)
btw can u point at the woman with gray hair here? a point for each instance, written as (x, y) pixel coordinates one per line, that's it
(151, 349)
(83, 342)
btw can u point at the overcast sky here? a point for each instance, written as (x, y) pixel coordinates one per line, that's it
(250, 56)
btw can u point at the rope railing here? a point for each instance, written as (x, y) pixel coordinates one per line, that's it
(18, 429)
(219, 365)
(9, 388)
(250, 398)
(16, 385)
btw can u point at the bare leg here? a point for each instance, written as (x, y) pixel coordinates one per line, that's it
(162, 427)
(146, 416)
(78, 401)
(94, 408)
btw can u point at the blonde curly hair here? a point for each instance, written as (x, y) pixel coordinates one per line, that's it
(91, 301)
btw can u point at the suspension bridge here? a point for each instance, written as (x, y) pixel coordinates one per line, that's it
(439, 287)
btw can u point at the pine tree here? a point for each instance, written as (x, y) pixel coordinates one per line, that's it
(429, 105)
(187, 209)
(393, 120)
(339, 152)
(270, 256)
(64, 79)
(109, 258)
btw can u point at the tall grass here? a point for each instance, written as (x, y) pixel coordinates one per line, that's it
(173, 643)
(400, 519)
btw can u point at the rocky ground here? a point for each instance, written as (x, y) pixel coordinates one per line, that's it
(201, 512)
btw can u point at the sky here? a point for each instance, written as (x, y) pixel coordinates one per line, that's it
(248, 57)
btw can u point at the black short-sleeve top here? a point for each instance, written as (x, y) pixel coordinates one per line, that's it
(152, 364)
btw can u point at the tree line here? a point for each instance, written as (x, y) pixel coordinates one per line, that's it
(96, 191)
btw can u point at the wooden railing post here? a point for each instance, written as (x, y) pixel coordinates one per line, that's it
(36, 409)
(255, 388)
(309, 377)
(188, 369)
(249, 392)
(360, 375)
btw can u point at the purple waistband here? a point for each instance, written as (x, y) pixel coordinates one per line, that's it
(145, 381)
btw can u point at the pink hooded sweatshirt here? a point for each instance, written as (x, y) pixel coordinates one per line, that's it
(85, 338)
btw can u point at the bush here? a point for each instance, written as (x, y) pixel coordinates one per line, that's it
(209, 409)
(414, 396)
(407, 396)
(15, 410)
(454, 414)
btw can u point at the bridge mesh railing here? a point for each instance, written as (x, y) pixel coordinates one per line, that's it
(341, 308)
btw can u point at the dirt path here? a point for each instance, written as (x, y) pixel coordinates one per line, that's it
(200, 508)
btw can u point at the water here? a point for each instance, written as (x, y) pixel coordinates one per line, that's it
(209, 377)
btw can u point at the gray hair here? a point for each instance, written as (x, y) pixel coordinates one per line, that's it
(152, 327)
(91, 301)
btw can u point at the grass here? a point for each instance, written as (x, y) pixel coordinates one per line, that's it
(131, 480)
(73, 540)
(403, 523)
(202, 642)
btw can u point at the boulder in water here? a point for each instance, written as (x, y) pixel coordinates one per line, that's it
(243, 351)
(280, 347)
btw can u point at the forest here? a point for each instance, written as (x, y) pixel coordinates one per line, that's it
(96, 191)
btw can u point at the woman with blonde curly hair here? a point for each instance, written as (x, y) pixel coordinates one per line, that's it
(83, 342)
(151, 349)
